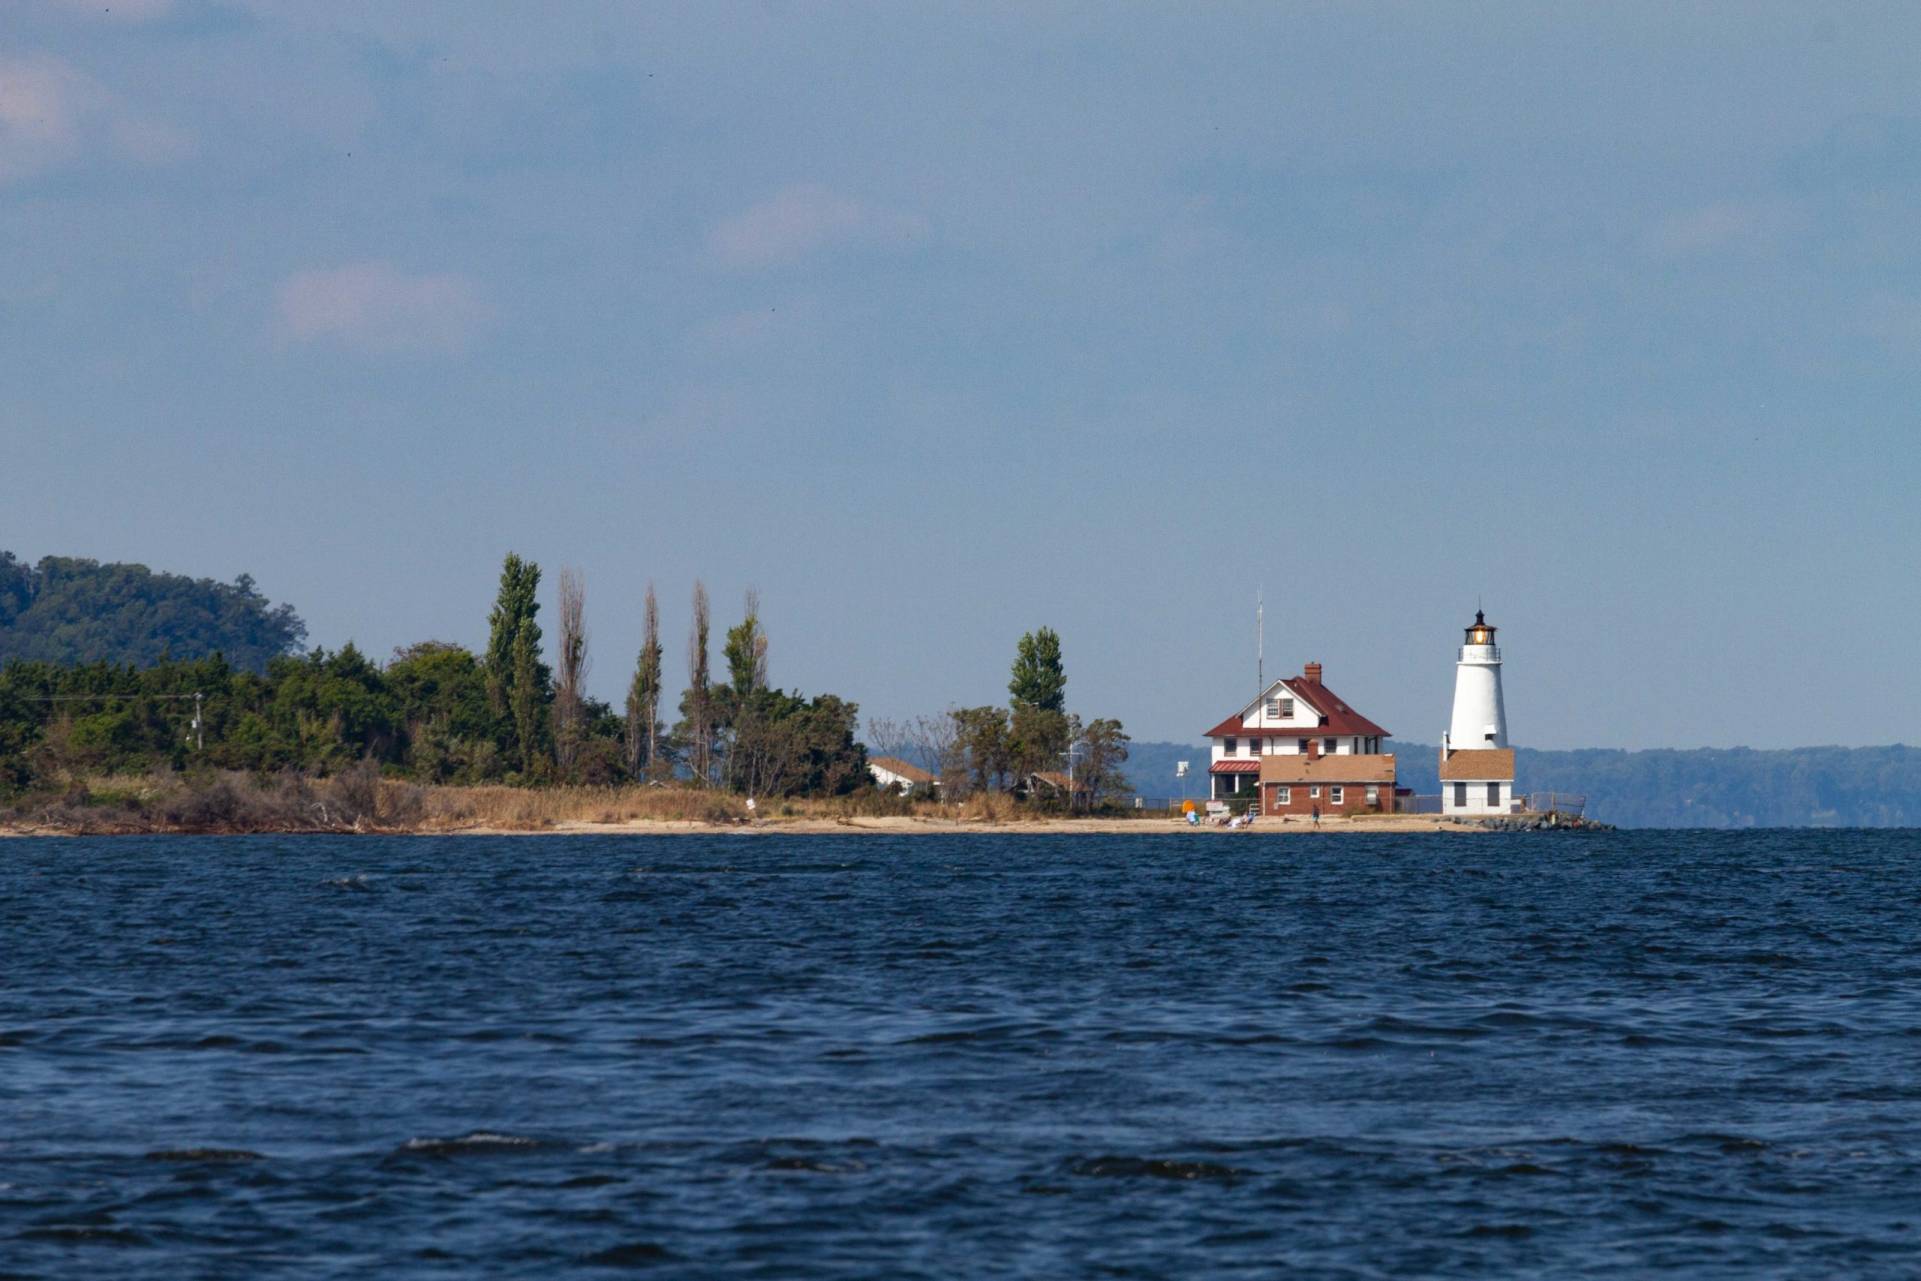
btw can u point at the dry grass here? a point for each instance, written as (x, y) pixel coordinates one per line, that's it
(359, 800)
(529, 809)
(519, 809)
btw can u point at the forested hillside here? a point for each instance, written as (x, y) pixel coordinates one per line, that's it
(1715, 787)
(66, 611)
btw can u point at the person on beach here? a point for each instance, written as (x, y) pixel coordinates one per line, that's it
(1317, 813)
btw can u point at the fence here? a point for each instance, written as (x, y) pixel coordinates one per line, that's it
(1417, 805)
(1556, 803)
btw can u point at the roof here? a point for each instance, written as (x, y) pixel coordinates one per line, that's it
(1358, 768)
(899, 768)
(1478, 764)
(1234, 767)
(1057, 780)
(1341, 719)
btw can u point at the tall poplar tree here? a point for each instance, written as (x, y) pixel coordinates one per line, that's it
(643, 697)
(525, 700)
(509, 625)
(570, 690)
(698, 709)
(514, 608)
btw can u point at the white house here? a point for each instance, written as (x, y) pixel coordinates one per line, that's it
(892, 771)
(1297, 715)
(1477, 765)
(1478, 781)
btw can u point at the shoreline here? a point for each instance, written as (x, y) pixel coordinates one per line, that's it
(875, 826)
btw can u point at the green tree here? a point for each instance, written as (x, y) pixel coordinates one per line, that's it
(981, 733)
(512, 618)
(746, 651)
(785, 745)
(696, 729)
(570, 694)
(514, 608)
(1037, 739)
(1039, 680)
(444, 707)
(528, 704)
(643, 696)
(1102, 751)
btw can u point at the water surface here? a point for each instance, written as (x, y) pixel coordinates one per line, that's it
(1195, 1055)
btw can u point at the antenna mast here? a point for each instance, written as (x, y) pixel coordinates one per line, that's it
(1260, 642)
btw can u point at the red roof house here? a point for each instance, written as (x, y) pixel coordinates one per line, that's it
(1298, 716)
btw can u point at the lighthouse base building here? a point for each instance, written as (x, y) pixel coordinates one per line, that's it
(1477, 781)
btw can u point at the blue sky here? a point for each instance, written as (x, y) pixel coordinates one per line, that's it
(936, 323)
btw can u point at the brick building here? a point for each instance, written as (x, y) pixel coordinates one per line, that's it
(1297, 721)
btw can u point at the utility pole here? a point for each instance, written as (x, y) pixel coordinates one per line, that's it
(199, 725)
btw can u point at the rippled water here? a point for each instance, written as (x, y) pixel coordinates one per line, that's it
(1189, 1055)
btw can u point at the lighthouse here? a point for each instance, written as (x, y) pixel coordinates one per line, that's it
(1480, 717)
(1477, 766)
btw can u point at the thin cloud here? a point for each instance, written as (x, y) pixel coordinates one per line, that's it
(52, 114)
(1748, 226)
(805, 219)
(375, 307)
(42, 104)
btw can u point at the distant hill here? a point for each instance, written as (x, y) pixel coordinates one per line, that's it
(67, 610)
(1703, 787)
(1714, 786)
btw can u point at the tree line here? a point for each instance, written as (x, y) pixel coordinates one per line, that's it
(519, 712)
(1034, 746)
(440, 713)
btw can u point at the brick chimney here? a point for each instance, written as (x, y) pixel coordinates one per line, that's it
(1311, 673)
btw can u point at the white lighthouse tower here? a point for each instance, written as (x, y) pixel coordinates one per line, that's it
(1480, 717)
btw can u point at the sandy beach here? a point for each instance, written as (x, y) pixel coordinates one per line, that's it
(896, 826)
(918, 826)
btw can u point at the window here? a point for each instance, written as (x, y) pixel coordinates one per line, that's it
(1314, 792)
(1332, 746)
(1286, 711)
(1337, 795)
(1283, 796)
(1373, 794)
(1253, 747)
(1233, 746)
(1303, 748)
(1273, 709)
(1323, 720)
(1494, 794)
(1460, 796)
